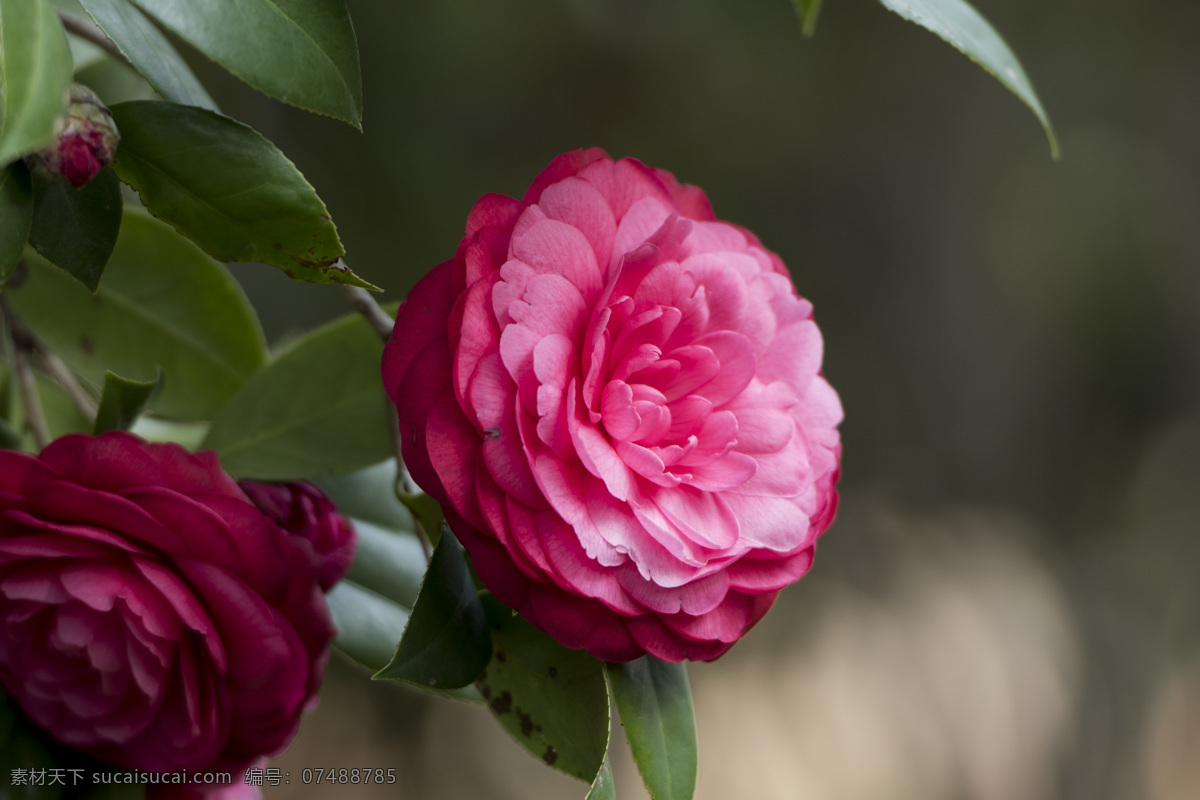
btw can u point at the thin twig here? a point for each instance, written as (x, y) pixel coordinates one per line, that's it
(85, 30)
(35, 418)
(58, 370)
(365, 304)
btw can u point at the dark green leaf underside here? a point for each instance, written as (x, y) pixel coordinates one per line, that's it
(16, 215)
(446, 643)
(77, 229)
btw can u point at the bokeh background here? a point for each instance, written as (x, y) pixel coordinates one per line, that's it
(1007, 607)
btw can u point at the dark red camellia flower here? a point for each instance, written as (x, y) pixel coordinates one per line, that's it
(150, 614)
(301, 508)
(618, 400)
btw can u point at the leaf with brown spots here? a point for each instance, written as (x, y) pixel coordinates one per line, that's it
(552, 700)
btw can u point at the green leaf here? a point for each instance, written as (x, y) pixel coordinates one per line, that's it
(807, 11)
(655, 704)
(389, 563)
(16, 216)
(368, 625)
(35, 71)
(123, 401)
(369, 494)
(163, 303)
(318, 409)
(603, 787)
(76, 229)
(427, 513)
(302, 52)
(969, 33)
(149, 51)
(156, 429)
(446, 643)
(553, 701)
(228, 189)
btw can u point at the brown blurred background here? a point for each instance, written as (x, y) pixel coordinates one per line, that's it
(1007, 607)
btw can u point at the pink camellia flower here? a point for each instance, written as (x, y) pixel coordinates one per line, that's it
(303, 509)
(150, 614)
(618, 400)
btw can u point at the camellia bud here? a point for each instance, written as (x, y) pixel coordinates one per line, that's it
(84, 141)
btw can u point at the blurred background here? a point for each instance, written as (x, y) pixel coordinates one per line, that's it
(1007, 607)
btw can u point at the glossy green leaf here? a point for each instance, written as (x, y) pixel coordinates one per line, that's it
(164, 304)
(389, 563)
(35, 71)
(427, 513)
(149, 51)
(77, 229)
(807, 11)
(228, 189)
(16, 216)
(967, 31)
(318, 409)
(370, 494)
(446, 643)
(123, 401)
(300, 51)
(554, 701)
(603, 787)
(655, 703)
(368, 625)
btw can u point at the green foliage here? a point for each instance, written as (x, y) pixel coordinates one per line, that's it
(149, 51)
(969, 33)
(603, 787)
(228, 189)
(164, 304)
(553, 701)
(390, 563)
(16, 216)
(807, 11)
(300, 51)
(123, 401)
(76, 229)
(318, 409)
(369, 494)
(655, 703)
(35, 71)
(368, 625)
(62, 417)
(446, 643)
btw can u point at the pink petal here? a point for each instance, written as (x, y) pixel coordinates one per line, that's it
(577, 203)
(556, 248)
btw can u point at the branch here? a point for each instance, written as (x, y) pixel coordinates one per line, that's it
(58, 370)
(365, 304)
(35, 418)
(85, 30)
